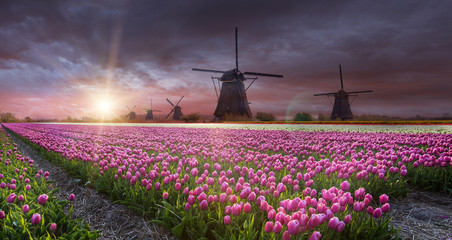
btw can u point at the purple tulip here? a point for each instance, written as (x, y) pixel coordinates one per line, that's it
(277, 227)
(293, 226)
(348, 219)
(71, 197)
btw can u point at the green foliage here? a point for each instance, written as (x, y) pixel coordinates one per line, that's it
(303, 117)
(8, 117)
(192, 117)
(262, 116)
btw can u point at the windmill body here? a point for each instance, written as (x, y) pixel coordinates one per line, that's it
(176, 109)
(232, 99)
(341, 107)
(150, 113)
(131, 115)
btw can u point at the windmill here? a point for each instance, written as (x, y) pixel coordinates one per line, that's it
(232, 99)
(341, 108)
(150, 113)
(131, 115)
(176, 109)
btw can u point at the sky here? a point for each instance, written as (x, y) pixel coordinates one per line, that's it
(76, 58)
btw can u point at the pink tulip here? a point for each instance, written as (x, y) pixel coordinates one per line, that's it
(204, 205)
(236, 209)
(293, 226)
(36, 219)
(247, 208)
(2, 214)
(370, 210)
(377, 213)
(187, 206)
(315, 220)
(385, 208)
(227, 220)
(286, 235)
(348, 219)
(25, 208)
(277, 227)
(340, 226)
(315, 236)
(42, 199)
(345, 185)
(165, 195)
(11, 198)
(332, 224)
(268, 227)
(53, 227)
(384, 198)
(335, 208)
(71, 197)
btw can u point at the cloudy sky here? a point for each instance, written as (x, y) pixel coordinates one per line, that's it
(64, 58)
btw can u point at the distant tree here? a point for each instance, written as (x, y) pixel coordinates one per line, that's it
(262, 116)
(8, 117)
(192, 117)
(28, 119)
(321, 117)
(303, 117)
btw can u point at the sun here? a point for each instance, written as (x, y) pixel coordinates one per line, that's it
(104, 106)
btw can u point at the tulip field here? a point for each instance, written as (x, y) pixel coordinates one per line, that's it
(219, 183)
(28, 209)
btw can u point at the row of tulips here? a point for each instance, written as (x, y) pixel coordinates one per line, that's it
(244, 183)
(28, 209)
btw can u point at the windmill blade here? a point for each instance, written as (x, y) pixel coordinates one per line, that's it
(156, 110)
(172, 110)
(236, 50)
(177, 104)
(322, 94)
(340, 72)
(134, 107)
(207, 70)
(128, 108)
(366, 91)
(263, 74)
(170, 102)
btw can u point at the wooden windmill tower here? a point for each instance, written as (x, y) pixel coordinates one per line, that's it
(131, 115)
(176, 109)
(341, 108)
(150, 113)
(232, 99)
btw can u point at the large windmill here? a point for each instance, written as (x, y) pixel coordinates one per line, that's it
(232, 99)
(131, 115)
(150, 113)
(176, 109)
(341, 108)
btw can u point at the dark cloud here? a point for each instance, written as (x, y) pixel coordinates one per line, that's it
(142, 49)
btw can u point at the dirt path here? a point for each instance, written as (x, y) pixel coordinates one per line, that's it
(116, 221)
(423, 215)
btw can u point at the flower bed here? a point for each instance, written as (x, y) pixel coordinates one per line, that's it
(251, 184)
(28, 209)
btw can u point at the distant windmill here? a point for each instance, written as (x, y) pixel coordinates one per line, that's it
(176, 109)
(150, 113)
(232, 99)
(131, 115)
(341, 108)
